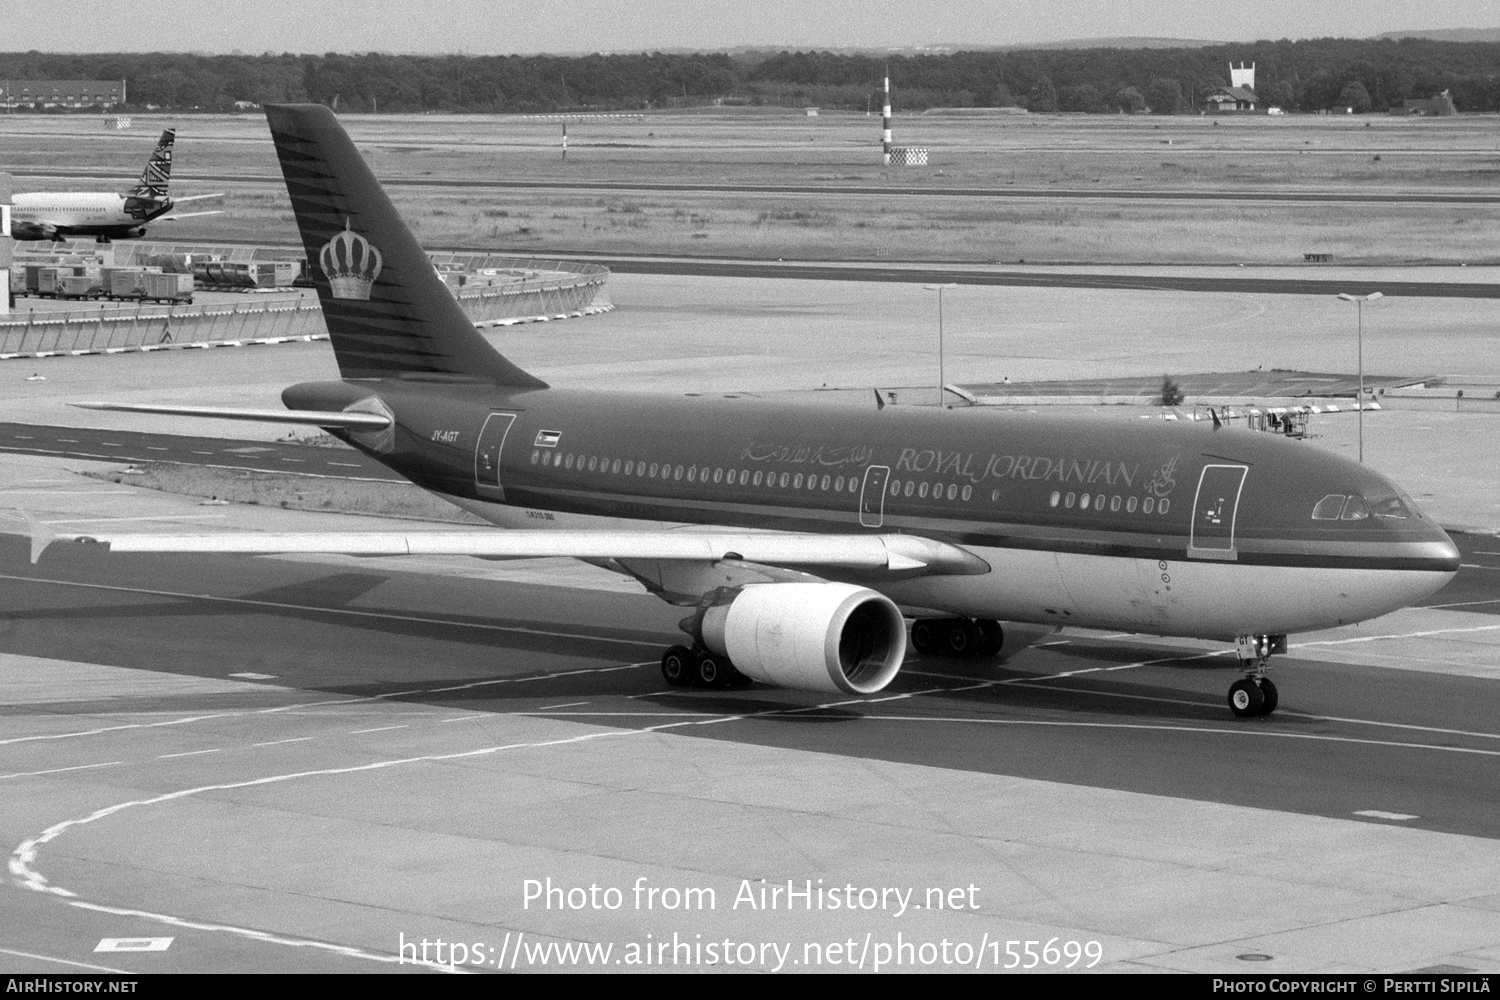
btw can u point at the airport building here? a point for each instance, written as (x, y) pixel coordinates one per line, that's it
(1238, 96)
(1440, 105)
(61, 93)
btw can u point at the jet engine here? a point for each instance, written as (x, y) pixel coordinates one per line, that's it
(832, 637)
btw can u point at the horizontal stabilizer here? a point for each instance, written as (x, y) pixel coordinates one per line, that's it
(890, 553)
(186, 215)
(318, 418)
(197, 197)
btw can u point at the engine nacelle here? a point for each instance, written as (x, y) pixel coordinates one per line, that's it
(832, 637)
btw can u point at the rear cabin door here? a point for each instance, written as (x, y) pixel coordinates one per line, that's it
(1214, 512)
(872, 497)
(487, 454)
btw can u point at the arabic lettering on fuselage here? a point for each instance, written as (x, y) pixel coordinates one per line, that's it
(826, 456)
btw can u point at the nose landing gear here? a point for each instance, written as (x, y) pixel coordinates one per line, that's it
(1255, 694)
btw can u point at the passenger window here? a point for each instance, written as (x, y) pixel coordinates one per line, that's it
(569, 462)
(838, 484)
(1328, 508)
(593, 462)
(922, 492)
(536, 457)
(1114, 503)
(629, 468)
(952, 490)
(895, 488)
(797, 482)
(653, 470)
(757, 479)
(614, 467)
(1355, 509)
(692, 473)
(1130, 506)
(783, 480)
(1083, 502)
(825, 484)
(1056, 499)
(719, 475)
(677, 472)
(910, 485)
(968, 492)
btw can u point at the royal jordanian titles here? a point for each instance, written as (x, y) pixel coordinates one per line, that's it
(799, 537)
(104, 215)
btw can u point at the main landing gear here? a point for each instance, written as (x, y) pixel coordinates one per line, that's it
(957, 637)
(1255, 694)
(685, 667)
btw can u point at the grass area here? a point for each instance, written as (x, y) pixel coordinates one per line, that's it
(1353, 154)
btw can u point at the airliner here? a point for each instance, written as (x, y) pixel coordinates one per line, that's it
(104, 215)
(799, 539)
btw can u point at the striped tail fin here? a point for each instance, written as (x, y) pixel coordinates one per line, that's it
(158, 172)
(388, 312)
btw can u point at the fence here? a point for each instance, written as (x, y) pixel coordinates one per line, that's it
(113, 330)
(526, 290)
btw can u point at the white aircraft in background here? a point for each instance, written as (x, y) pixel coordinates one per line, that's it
(104, 215)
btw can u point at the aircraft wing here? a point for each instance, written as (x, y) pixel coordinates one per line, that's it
(906, 554)
(351, 419)
(185, 215)
(196, 197)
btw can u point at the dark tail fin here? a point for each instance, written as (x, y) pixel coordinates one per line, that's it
(388, 312)
(158, 172)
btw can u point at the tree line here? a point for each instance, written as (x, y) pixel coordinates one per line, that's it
(1303, 75)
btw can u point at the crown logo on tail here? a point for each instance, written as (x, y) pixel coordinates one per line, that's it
(351, 263)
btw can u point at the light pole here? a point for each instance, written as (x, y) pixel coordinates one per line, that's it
(940, 289)
(1359, 306)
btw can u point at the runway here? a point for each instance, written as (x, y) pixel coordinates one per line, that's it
(863, 190)
(294, 764)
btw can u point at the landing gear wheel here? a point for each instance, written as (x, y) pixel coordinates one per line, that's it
(1268, 691)
(923, 635)
(713, 672)
(1245, 699)
(677, 666)
(992, 637)
(962, 639)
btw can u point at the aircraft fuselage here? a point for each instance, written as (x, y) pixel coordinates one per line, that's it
(1084, 521)
(67, 214)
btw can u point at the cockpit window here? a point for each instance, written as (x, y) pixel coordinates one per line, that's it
(1388, 507)
(1329, 508)
(1355, 509)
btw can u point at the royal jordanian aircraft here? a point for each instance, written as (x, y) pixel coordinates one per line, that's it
(801, 536)
(104, 215)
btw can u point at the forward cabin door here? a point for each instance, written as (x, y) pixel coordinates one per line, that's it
(872, 497)
(487, 454)
(1214, 511)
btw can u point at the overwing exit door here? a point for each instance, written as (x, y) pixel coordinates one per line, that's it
(872, 497)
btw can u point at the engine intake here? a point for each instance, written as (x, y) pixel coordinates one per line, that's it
(831, 637)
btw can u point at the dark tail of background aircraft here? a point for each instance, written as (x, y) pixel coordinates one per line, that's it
(388, 312)
(158, 172)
